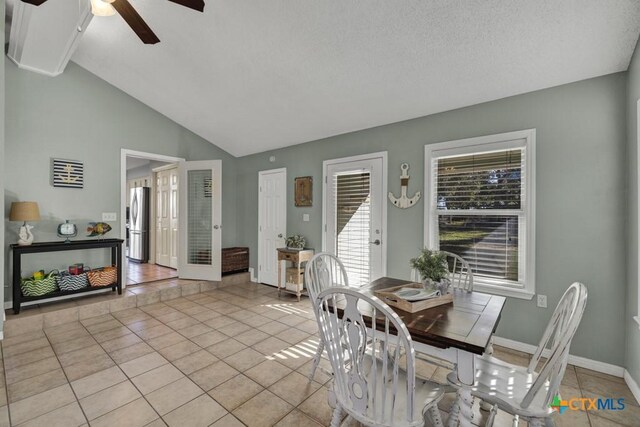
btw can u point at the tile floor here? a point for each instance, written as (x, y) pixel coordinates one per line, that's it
(232, 356)
(143, 273)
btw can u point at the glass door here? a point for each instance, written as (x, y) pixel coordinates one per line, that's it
(200, 217)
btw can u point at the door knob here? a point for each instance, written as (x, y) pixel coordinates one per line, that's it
(215, 227)
(376, 242)
(280, 235)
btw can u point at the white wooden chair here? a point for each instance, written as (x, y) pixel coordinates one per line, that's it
(369, 383)
(460, 273)
(323, 271)
(523, 391)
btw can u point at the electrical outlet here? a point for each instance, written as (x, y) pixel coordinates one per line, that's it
(542, 301)
(305, 217)
(109, 216)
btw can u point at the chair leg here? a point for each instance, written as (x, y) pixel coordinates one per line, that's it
(336, 417)
(537, 422)
(316, 360)
(492, 416)
(433, 414)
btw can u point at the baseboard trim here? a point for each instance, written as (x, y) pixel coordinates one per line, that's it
(633, 385)
(253, 279)
(583, 362)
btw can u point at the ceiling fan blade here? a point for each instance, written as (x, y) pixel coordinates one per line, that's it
(135, 21)
(191, 4)
(34, 2)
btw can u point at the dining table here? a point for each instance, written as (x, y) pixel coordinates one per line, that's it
(456, 332)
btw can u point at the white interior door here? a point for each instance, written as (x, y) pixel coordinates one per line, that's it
(162, 218)
(200, 214)
(272, 222)
(355, 215)
(174, 218)
(167, 218)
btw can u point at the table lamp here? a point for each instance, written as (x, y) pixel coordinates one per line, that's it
(24, 211)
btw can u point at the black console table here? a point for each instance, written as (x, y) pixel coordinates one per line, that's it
(116, 255)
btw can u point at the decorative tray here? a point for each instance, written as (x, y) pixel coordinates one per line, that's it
(412, 297)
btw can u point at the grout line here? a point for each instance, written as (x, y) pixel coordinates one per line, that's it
(65, 376)
(6, 387)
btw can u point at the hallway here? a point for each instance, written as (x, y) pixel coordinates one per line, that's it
(143, 273)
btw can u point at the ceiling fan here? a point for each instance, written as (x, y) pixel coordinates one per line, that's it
(129, 14)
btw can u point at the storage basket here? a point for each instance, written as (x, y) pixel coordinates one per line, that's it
(72, 282)
(235, 260)
(104, 276)
(34, 288)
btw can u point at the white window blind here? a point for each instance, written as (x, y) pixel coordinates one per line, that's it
(477, 184)
(480, 193)
(353, 224)
(199, 244)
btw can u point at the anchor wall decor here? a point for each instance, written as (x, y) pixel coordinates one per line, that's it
(67, 173)
(404, 202)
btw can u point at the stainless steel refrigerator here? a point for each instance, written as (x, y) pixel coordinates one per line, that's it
(139, 224)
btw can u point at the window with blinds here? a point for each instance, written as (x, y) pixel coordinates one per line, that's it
(481, 208)
(481, 183)
(352, 193)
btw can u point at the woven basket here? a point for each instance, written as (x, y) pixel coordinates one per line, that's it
(34, 288)
(72, 282)
(104, 276)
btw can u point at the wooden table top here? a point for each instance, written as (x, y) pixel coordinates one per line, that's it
(467, 324)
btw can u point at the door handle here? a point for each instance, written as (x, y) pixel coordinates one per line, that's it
(280, 235)
(215, 227)
(376, 242)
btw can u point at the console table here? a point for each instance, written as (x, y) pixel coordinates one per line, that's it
(18, 251)
(295, 275)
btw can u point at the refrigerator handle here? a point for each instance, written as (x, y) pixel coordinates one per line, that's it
(134, 209)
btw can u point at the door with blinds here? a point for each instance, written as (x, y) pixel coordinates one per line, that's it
(200, 197)
(354, 215)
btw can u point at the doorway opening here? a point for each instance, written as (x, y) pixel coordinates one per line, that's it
(144, 204)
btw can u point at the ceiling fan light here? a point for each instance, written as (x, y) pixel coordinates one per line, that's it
(102, 8)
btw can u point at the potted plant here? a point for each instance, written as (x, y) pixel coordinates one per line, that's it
(295, 242)
(433, 269)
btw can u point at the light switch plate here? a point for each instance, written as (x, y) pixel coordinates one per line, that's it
(305, 217)
(109, 216)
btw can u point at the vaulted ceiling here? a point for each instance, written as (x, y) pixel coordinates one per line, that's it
(255, 75)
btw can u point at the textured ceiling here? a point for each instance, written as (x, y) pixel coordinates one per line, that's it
(254, 75)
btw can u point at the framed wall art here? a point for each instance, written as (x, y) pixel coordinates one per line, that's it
(67, 173)
(303, 191)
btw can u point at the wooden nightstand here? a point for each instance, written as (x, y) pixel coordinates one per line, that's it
(294, 277)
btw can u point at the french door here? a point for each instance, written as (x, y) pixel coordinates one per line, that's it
(167, 217)
(200, 199)
(272, 222)
(355, 215)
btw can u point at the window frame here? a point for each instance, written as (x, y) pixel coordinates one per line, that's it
(519, 139)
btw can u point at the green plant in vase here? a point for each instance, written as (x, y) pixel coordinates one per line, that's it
(295, 242)
(433, 269)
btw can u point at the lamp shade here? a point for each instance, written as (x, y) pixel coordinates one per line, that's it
(24, 211)
(102, 8)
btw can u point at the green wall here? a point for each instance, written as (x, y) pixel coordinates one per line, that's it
(79, 116)
(633, 333)
(580, 197)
